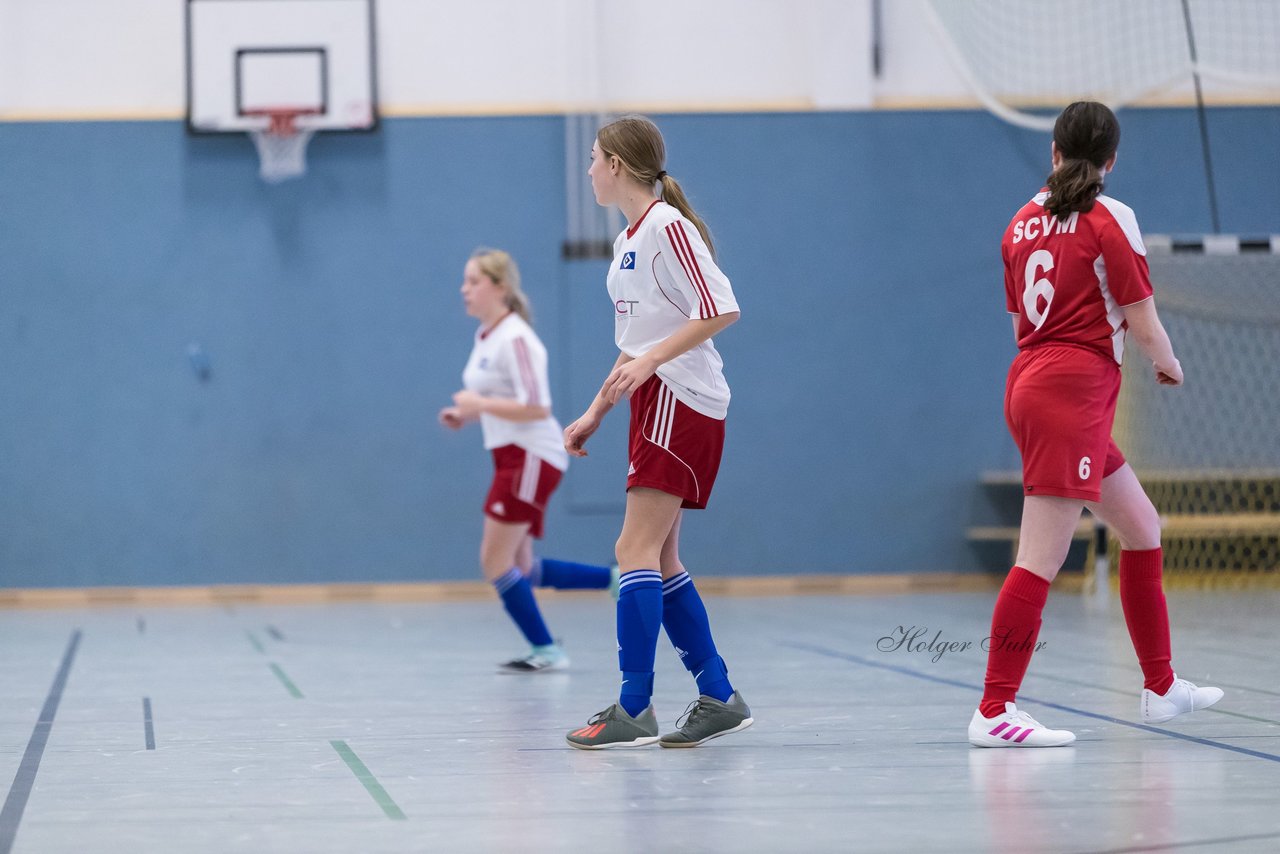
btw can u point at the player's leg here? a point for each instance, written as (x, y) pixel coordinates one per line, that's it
(1048, 523)
(650, 516)
(1127, 511)
(1056, 406)
(684, 616)
(499, 560)
(1129, 514)
(719, 710)
(549, 572)
(568, 575)
(631, 721)
(526, 560)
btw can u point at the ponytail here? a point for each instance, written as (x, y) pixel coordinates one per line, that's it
(674, 196)
(518, 302)
(1073, 186)
(1086, 135)
(501, 269)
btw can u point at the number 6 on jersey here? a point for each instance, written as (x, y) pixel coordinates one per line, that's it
(1036, 288)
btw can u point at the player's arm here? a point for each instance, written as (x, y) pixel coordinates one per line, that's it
(472, 405)
(525, 364)
(1015, 318)
(628, 377)
(577, 433)
(1149, 334)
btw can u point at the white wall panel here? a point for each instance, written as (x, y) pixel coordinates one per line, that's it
(119, 58)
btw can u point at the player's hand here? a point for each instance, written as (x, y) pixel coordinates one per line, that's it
(1169, 374)
(577, 434)
(468, 404)
(625, 379)
(450, 417)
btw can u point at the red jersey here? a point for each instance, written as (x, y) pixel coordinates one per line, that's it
(1067, 280)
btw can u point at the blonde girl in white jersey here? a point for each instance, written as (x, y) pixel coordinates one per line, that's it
(506, 389)
(669, 299)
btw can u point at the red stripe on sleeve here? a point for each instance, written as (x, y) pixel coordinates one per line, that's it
(684, 251)
(526, 369)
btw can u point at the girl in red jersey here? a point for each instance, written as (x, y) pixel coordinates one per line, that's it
(1076, 281)
(669, 299)
(506, 389)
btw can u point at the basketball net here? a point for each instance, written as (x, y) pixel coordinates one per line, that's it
(282, 146)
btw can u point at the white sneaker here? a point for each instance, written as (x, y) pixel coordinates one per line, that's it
(1014, 729)
(543, 659)
(1182, 697)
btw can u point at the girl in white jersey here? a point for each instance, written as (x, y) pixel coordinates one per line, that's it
(669, 299)
(507, 391)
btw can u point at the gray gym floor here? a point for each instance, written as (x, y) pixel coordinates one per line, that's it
(368, 727)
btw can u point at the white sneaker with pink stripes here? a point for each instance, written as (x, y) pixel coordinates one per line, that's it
(1014, 729)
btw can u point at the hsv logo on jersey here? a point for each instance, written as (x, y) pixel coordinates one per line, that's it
(628, 261)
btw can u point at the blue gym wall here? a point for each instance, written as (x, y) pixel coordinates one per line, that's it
(868, 366)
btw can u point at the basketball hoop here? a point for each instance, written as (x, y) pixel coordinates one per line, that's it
(281, 144)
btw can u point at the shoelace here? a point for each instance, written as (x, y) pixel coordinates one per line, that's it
(690, 714)
(609, 714)
(1026, 720)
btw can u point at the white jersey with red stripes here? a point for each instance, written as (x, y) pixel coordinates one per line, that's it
(508, 361)
(1067, 280)
(662, 277)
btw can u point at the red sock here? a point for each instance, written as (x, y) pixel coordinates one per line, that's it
(1015, 625)
(1146, 615)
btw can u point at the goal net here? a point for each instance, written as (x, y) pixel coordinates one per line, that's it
(1208, 452)
(1027, 59)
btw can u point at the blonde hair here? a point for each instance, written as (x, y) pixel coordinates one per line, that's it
(637, 142)
(501, 269)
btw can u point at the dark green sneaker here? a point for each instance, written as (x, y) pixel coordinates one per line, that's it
(615, 728)
(708, 718)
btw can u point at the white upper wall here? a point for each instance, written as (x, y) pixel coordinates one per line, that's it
(126, 58)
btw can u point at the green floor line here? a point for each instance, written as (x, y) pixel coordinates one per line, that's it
(371, 784)
(285, 680)
(256, 643)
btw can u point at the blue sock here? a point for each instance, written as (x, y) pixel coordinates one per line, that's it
(565, 575)
(517, 598)
(639, 621)
(685, 619)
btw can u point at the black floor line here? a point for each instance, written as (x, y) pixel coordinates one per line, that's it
(16, 802)
(977, 689)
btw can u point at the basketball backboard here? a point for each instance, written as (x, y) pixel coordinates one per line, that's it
(247, 59)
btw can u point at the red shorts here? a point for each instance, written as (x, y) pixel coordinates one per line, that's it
(522, 483)
(672, 448)
(1059, 403)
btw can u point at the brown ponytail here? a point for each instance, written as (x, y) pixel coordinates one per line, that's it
(1072, 187)
(637, 142)
(1086, 135)
(674, 196)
